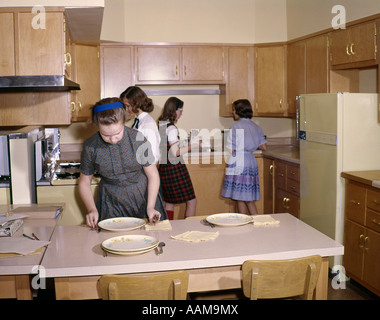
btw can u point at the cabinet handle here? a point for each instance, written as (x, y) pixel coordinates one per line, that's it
(281, 103)
(73, 106)
(68, 59)
(351, 49)
(361, 245)
(355, 202)
(271, 169)
(79, 106)
(347, 51)
(376, 201)
(285, 202)
(375, 222)
(185, 70)
(176, 70)
(365, 242)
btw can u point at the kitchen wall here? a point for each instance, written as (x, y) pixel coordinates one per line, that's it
(195, 21)
(309, 16)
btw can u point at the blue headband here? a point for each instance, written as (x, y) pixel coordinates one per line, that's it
(108, 106)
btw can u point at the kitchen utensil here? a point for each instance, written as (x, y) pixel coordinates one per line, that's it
(206, 223)
(159, 249)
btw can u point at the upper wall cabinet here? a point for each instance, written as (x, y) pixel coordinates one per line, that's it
(158, 64)
(270, 84)
(31, 45)
(239, 78)
(116, 69)
(354, 45)
(203, 64)
(179, 64)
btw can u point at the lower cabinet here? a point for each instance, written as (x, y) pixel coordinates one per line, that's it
(287, 188)
(362, 235)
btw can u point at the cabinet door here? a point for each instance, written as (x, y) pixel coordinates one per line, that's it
(88, 76)
(355, 202)
(40, 50)
(371, 273)
(317, 66)
(157, 64)
(7, 50)
(240, 78)
(270, 81)
(296, 73)
(203, 64)
(116, 70)
(340, 47)
(353, 248)
(363, 42)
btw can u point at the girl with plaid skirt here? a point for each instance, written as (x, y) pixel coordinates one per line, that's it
(175, 179)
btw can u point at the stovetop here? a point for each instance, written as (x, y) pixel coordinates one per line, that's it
(68, 173)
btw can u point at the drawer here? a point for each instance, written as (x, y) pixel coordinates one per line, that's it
(373, 200)
(280, 172)
(293, 186)
(372, 220)
(355, 202)
(293, 172)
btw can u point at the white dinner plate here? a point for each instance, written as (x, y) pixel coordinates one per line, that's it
(121, 224)
(127, 253)
(229, 219)
(130, 243)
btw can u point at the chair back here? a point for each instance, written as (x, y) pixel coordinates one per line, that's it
(151, 286)
(273, 279)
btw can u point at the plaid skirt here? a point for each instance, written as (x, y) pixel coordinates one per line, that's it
(176, 183)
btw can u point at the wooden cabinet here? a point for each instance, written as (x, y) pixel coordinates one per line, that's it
(296, 73)
(317, 64)
(307, 68)
(157, 64)
(87, 73)
(239, 78)
(270, 84)
(287, 187)
(7, 44)
(362, 234)
(203, 64)
(182, 64)
(116, 69)
(30, 45)
(266, 181)
(354, 44)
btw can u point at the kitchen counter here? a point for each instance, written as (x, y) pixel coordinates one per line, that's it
(289, 152)
(369, 177)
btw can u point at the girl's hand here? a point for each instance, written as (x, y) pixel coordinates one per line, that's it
(92, 219)
(153, 215)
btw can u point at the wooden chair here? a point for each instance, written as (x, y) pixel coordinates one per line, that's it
(151, 286)
(197, 217)
(273, 279)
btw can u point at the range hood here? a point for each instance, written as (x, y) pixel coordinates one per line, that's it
(37, 83)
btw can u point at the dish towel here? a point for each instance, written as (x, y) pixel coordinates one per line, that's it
(263, 219)
(196, 236)
(160, 225)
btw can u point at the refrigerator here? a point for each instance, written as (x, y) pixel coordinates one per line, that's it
(338, 132)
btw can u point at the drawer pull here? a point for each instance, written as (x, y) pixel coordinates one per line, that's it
(375, 222)
(365, 242)
(376, 201)
(355, 202)
(361, 245)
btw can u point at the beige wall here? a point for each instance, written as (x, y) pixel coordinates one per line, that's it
(309, 16)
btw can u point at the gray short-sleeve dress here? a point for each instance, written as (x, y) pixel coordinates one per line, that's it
(123, 186)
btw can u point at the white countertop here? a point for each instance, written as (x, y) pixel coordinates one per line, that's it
(43, 229)
(76, 251)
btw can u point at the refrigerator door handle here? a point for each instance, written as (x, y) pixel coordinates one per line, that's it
(298, 117)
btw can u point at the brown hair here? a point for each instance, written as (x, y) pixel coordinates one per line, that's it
(137, 99)
(170, 108)
(243, 108)
(110, 116)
